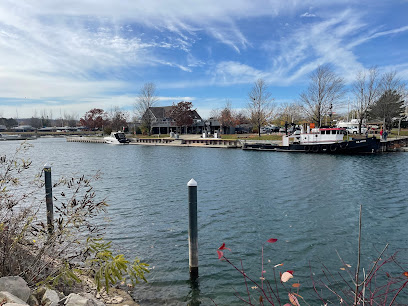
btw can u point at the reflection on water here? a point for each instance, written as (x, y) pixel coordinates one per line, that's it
(308, 202)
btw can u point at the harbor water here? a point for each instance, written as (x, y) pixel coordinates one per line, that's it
(309, 202)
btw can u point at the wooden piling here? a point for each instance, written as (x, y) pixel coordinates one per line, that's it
(48, 198)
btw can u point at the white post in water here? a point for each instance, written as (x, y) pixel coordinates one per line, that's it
(192, 229)
(48, 198)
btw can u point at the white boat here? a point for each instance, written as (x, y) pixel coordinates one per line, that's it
(15, 137)
(116, 138)
(320, 140)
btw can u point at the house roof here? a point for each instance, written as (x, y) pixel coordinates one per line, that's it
(165, 112)
(161, 111)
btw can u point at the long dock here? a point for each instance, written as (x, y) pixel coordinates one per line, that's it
(390, 145)
(190, 142)
(394, 145)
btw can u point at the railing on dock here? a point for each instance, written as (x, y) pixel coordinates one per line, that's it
(211, 142)
(86, 139)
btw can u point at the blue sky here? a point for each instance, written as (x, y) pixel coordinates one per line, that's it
(66, 57)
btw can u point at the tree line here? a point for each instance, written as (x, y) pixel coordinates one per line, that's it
(375, 96)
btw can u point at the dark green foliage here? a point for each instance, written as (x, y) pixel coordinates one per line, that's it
(388, 106)
(9, 123)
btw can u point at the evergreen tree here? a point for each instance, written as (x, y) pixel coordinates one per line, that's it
(387, 107)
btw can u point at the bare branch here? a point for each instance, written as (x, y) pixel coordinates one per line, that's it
(260, 105)
(325, 89)
(146, 99)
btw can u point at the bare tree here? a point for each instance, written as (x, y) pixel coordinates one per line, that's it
(260, 105)
(146, 99)
(118, 119)
(366, 90)
(390, 81)
(71, 119)
(325, 89)
(290, 112)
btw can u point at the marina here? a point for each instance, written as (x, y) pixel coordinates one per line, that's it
(390, 145)
(244, 198)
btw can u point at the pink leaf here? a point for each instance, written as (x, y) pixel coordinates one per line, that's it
(286, 276)
(293, 299)
(222, 247)
(272, 240)
(220, 254)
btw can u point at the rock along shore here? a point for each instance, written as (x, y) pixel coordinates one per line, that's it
(14, 291)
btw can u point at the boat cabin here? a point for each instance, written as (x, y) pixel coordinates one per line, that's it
(315, 136)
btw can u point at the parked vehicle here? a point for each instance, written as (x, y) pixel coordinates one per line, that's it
(354, 130)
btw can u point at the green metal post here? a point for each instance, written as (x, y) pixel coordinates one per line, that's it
(192, 229)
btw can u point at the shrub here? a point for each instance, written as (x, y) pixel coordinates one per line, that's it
(75, 245)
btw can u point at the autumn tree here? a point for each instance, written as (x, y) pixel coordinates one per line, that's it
(241, 117)
(366, 91)
(227, 117)
(260, 105)
(146, 99)
(95, 118)
(325, 90)
(183, 114)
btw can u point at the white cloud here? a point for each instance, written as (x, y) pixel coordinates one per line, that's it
(226, 73)
(308, 15)
(303, 49)
(374, 35)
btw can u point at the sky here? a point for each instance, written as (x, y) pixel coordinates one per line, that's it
(66, 57)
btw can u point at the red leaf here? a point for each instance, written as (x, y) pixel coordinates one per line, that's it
(222, 247)
(290, 271)
(272, 240)
(220, 254)
(405, 273)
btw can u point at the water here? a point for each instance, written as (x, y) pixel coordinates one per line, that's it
(308, 202)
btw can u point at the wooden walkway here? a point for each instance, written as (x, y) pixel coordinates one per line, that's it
(394, 144)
